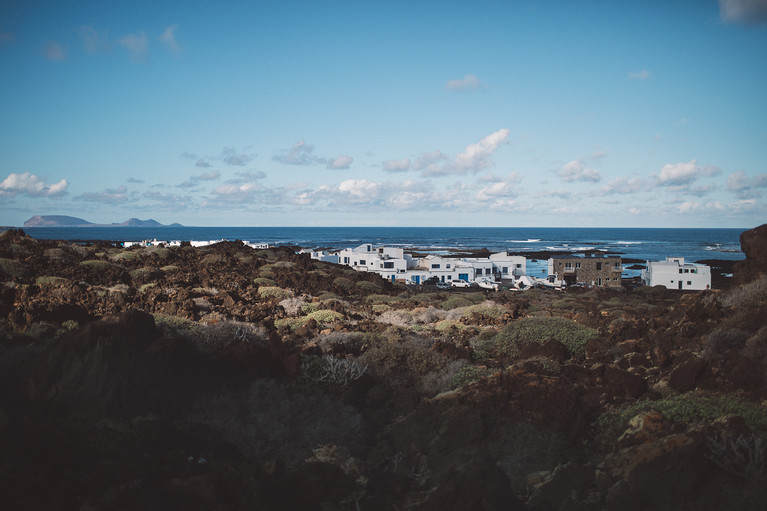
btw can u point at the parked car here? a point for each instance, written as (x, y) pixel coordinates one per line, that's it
(443, 285)
(460, 283)
(431, 281)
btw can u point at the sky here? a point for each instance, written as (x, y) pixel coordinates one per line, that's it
(347, 113)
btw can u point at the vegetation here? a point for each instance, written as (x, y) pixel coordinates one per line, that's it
(696, 407)
(540, 329)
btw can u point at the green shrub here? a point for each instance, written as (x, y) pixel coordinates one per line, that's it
(13, 268)
(456, 301)
(127, 255)
(376, 299)
(694, 407)
(97, 264)
(467, 375)
(380, 307)
(344, 283)
(447, 324)
(274, 292)
(143, 288)
(367, 286)
(540, 329)
(263, 281)
(322, 317)
(169, 268)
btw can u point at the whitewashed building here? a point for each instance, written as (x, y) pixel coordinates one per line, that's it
(674, 273)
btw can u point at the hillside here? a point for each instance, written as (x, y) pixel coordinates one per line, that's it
(70, 221)
(229, 378)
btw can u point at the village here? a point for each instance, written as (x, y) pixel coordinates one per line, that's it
(505, 270)
(508, 270)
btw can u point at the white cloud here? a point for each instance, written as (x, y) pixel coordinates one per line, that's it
(746, 187)
(134, 180)
(577, 171)
(202, 163)
(402, 165)
(468, 82)
(495, 191)
(93, 40)
(136, 44)
(168, 38)
(644, 74)
(624, 185)
(55, 51)
(749, 12)
(31, 185)
(237, 193)
(476, 157)
(300, 154)
(231, 156)
(342, 162)
(430, 162)
(207, 176)
(117, 195)
(681, 174)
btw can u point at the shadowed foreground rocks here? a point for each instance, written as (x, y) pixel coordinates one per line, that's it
(227, 378)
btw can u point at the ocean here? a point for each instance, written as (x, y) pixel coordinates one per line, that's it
(630, 243)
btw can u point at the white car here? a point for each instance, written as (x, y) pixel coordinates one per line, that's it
(460, 283)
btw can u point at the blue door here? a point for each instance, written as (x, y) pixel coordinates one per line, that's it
(394, 278)
(417, 279)
(463, 276)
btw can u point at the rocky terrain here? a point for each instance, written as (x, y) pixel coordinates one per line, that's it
(227, 378)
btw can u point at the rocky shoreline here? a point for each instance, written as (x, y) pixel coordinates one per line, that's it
(224, 377)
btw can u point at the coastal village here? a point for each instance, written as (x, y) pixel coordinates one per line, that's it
(506, 269)
(510, 270)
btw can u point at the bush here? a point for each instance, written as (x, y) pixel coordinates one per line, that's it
(723, 339)
(274, 292)
(343, 283)
(744, 456)
(691, 408)
(467, 375)
(487, 309)
(367, 286)
(331, 370)
(322, 317)
(264, 282)
(97, 264)
(13, 268)
(540, 329)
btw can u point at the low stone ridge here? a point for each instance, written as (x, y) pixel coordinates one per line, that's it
(224, 377)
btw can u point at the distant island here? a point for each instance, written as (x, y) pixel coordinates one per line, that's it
(71, 221)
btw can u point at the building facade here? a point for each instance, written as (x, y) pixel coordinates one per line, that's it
(590, 271)
(674, 273)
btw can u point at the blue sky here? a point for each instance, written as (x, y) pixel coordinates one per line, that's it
(486, 113)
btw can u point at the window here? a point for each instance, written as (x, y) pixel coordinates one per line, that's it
(519, 266)
(488, 271)
(686, 270)
(363, 262)
(680, 270)
(434, 266)
(447, 266)
(449, 277)
(388, 264)
(599, 266)
(689, 283)
(568, 266)
(346, 260)
(505, 269)
(577, 265)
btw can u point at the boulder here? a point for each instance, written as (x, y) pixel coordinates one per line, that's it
(753, 243)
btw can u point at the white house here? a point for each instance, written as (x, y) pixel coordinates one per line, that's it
(674, 273)
(507, 266)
